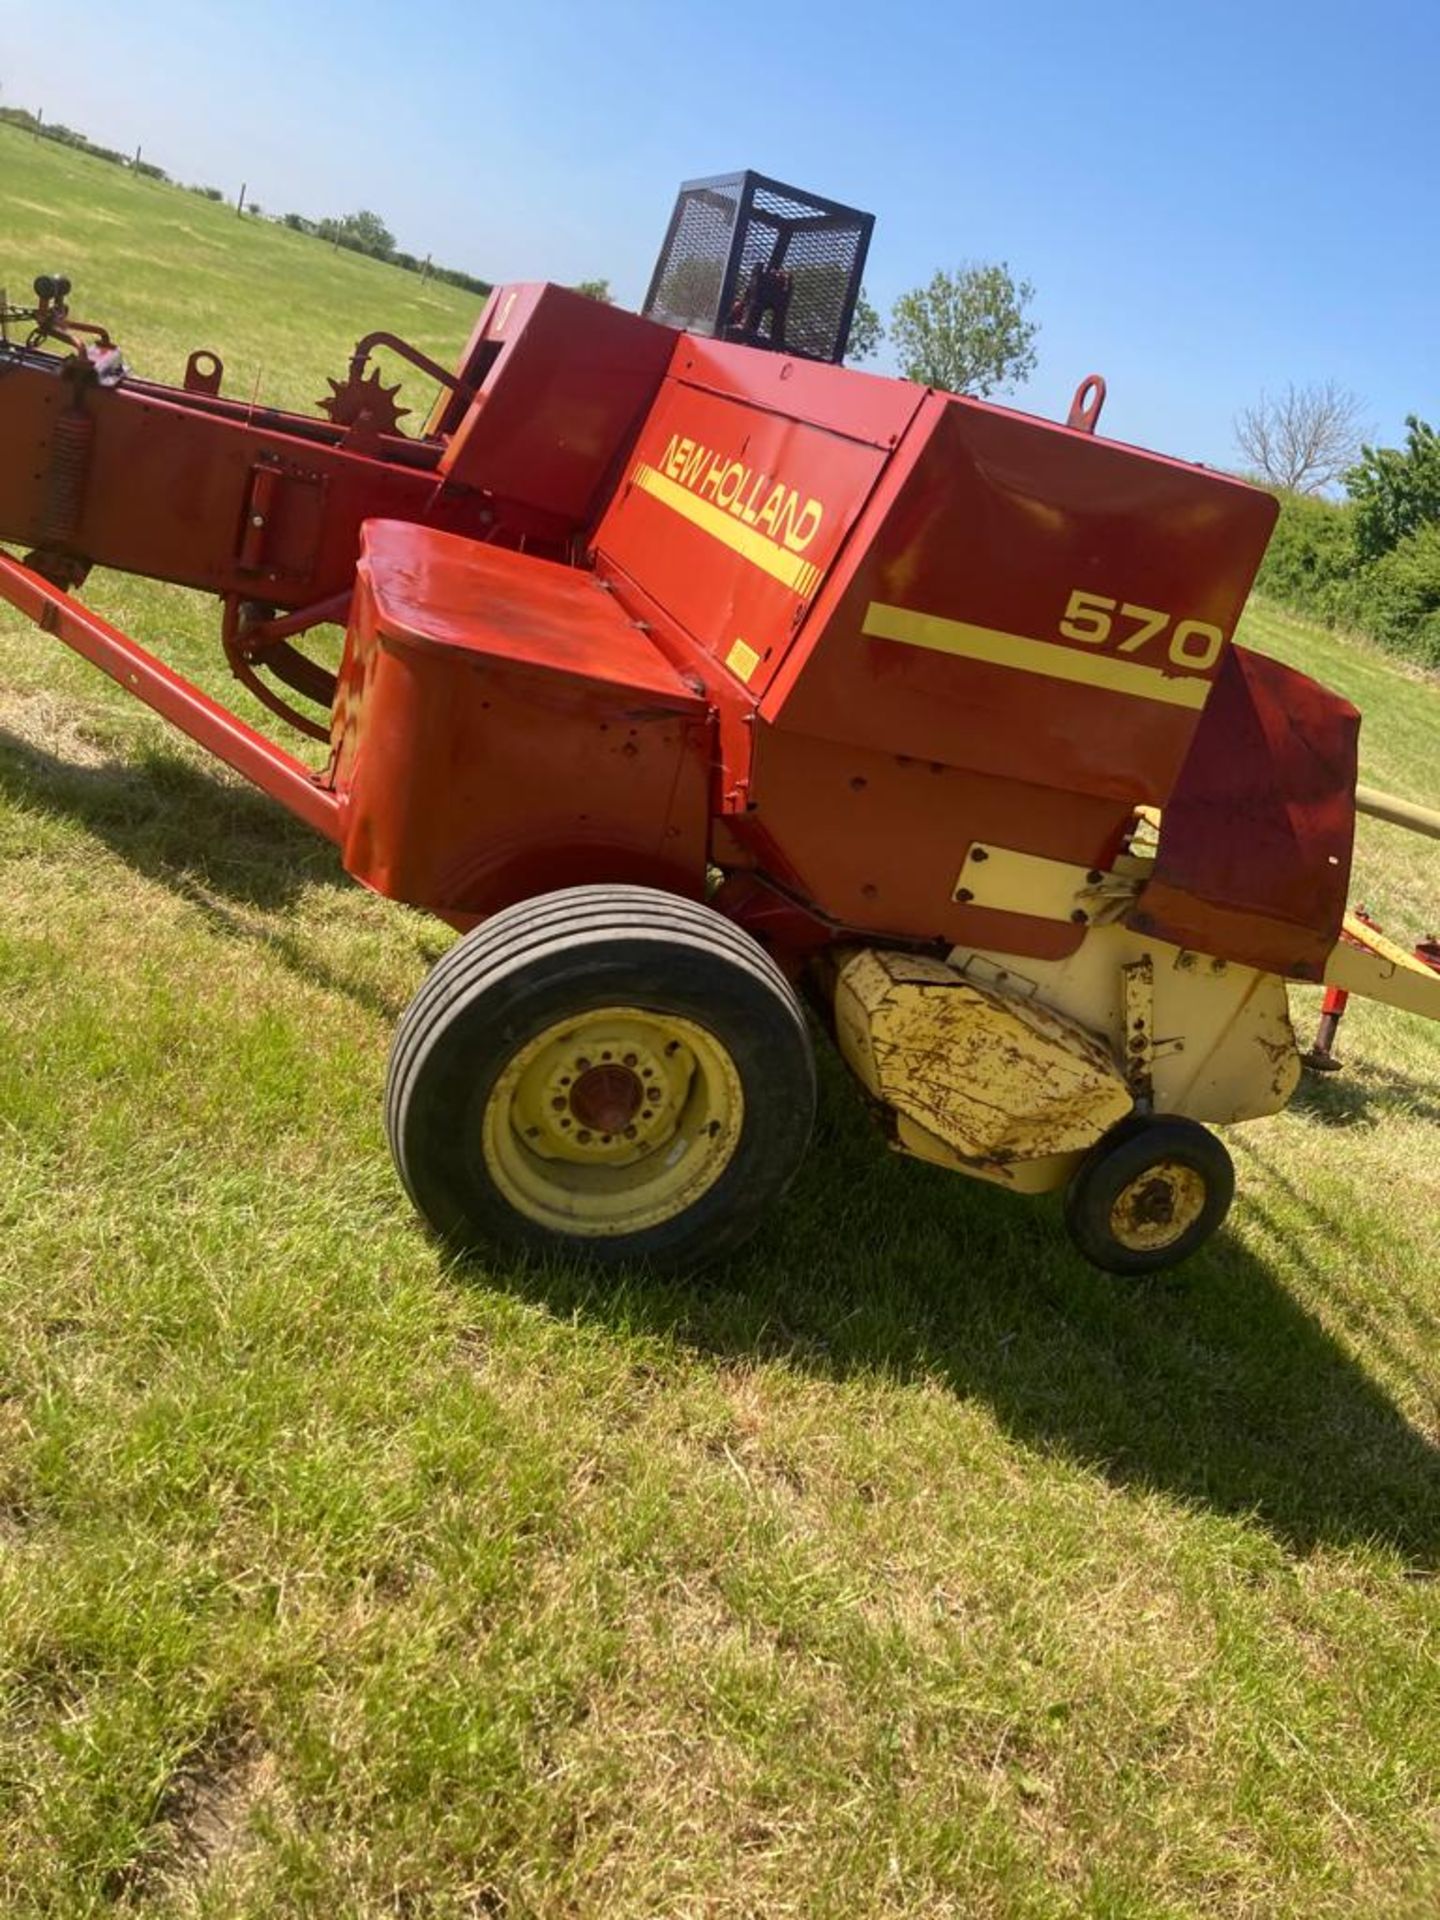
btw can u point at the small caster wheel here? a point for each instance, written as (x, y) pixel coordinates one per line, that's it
(1148, 1194)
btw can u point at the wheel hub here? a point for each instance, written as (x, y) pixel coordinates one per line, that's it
(1158, 1207)
(614, 1120)
(606, 1090)
(607, 1099)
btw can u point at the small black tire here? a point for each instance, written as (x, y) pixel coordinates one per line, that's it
(666, 1148)
(1149, 1194)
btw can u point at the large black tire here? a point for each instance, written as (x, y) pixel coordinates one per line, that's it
(494, 1054)
(1149, 1194)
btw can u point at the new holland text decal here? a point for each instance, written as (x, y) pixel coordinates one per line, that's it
(756, 515)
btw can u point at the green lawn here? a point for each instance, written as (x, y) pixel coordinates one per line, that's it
(905, 1567)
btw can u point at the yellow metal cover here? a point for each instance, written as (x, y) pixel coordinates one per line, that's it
(993, 1080)
(1219, 1044)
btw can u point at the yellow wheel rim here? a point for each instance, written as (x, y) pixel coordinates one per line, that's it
(612, 1122)
(1158, 1208)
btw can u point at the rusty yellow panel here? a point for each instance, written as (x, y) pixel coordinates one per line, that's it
(994, 1079)
(1221, 1044)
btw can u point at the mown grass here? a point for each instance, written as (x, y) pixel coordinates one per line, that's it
(905, 1566)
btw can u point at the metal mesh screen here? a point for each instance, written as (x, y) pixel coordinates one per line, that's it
(750, 259)
(821, 260)
(690, 273)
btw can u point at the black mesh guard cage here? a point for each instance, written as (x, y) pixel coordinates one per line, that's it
(746, 258)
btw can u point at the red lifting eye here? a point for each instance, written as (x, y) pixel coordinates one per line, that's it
(1085, 407)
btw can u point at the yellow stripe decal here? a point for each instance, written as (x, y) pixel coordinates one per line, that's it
(1033, 656)
(800, 574)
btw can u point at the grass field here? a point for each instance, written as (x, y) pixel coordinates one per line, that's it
(905, 1567)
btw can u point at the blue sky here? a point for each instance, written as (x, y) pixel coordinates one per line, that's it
(1209, 198)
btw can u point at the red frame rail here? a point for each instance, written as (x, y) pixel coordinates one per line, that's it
(176, 699)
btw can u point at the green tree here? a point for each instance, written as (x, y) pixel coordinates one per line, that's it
(1396, 490)
(1401, 596)
(967, 331)
(866, 330)
(594, 290)
(362, 232)
(1311, 561)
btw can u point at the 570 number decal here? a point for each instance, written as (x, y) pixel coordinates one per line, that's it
(1102, 622)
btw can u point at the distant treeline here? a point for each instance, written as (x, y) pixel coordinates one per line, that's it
(357, 232)
(68, 137)
(366, 232)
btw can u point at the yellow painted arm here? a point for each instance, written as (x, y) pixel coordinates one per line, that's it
(1365, 962)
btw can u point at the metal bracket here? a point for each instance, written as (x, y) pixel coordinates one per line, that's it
(204, 372)
(282, 521)
(1138, 997)
(1003, 880)
(1142, 1049)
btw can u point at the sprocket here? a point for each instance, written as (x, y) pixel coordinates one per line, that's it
(359, 396)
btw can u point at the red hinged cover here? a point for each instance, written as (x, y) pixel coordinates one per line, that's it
(502, 728)
(567, 382)
(1255, 841)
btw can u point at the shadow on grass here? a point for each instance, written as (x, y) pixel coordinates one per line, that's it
(1214, 1385)
(221, 847)
(1365, 1095)
(170, 819)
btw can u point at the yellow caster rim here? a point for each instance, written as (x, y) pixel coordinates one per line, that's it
(615, 1121)
(1159, 1207)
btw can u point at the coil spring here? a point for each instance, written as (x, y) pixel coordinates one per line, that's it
(69, 469)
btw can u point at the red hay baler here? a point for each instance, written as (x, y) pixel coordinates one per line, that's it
(685, 670)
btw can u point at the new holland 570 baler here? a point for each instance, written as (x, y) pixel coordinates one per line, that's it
(683, 670)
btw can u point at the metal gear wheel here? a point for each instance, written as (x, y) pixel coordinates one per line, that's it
(358, 395)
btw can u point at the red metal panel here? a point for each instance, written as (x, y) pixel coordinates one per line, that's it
(479, 355)
(1029, 602)
(729, 517)
(170, 490)
(877, 840)
(1254, 855)
(731, 702)
(885, 745)
(502, 728)
(560, 401)
(862, 406)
